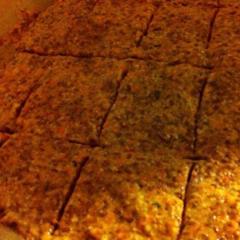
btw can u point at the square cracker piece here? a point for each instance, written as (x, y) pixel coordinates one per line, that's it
(225, 34)
(219, 124)
(36, 173)
(178, 33)
(156, 106)
(213, 203)
(89, 28)
(127, 195)
(20, 78)
(64, 96)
